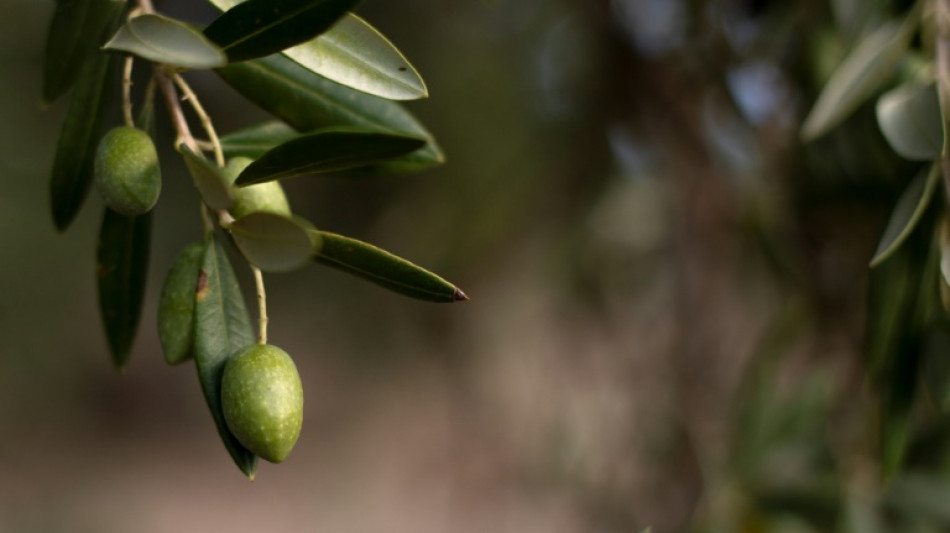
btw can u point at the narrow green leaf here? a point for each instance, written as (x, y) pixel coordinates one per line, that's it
(357, 55)
(122, 265)
(860, 75)
(168, 41)
(384, 269)
(308, 102)
(255, 141)
(272, 242)
(84, 125)
(212, 185)
(909, 117)
(907, 213)
(328, 150)
(222, 327)
(259, 28)
(176, 305)
(75, 33)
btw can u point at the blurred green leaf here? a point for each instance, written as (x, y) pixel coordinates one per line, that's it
(165, 40)
(176, 305)
(861, 74)
(909, 117)
(907, 213)
(921, 496)
(83, 127)
(211, 182)
(355, 54)
(222, 327)
(258, 28)
(384, 269)
(256, 140)
(122, 267)
(308, 102)
(74, 34)
(328, 150)
(272, 242)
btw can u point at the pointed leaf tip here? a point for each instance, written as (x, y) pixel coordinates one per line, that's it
(460, 296)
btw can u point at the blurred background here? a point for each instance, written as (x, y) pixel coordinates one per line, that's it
(667, 292)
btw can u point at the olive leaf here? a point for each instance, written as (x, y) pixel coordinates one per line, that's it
(256, 140)
(258, 28)
(862, 73)
(308, 102)
(272, 242)
(211, 183)
(166, 40)
(384, 269)
(907, 213)
(74, 34)
(121, 271)
(909, 117)
(84, 125)
(176, 305)
(222, 327)
(327, 150)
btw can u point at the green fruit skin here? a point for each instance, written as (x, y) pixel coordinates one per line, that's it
(127, 173)
(262, 399)
(176, 306)
(268, 197)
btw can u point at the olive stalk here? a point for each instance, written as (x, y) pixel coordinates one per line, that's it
(261, 305)
(127, 91)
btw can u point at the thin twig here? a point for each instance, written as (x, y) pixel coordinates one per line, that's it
(202, 115)
(261, 306)
(174, 109)
(127, 91)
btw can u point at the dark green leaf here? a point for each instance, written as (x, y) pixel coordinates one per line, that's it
(83, 127)
(327, 150)
(384, 269)
(75, 33)
(122, 265)
(909, 117)
(861, 74)
(910, 207)
(308, 102)
(253, 142)
(168, 41)
(176, 306)
(259, 28)
(222, 327)
(272, 242)
(211, 183)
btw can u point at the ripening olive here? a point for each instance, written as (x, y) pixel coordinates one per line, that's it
(127, 172)
(268, 197)
(262, 399)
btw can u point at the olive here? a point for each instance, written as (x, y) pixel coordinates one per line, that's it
(127, 174)
(262, 399)
(268, 197)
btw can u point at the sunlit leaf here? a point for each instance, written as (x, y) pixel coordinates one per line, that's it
(259, 28)
(212, 184)
(308, 102)
(84, 125)
(176, 305)
(327, 150)
(122, 265)
(907, 213)
(222, 327)
(255, 141)
(272, 242)
(74, 34)
(862, 73)
(909, 117)
(168, 41)
(384, 269)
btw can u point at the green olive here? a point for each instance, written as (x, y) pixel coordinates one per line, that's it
(262, 399)
(268, 197)
(126, 171)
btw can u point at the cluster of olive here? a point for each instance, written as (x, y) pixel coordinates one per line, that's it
(261, 392)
